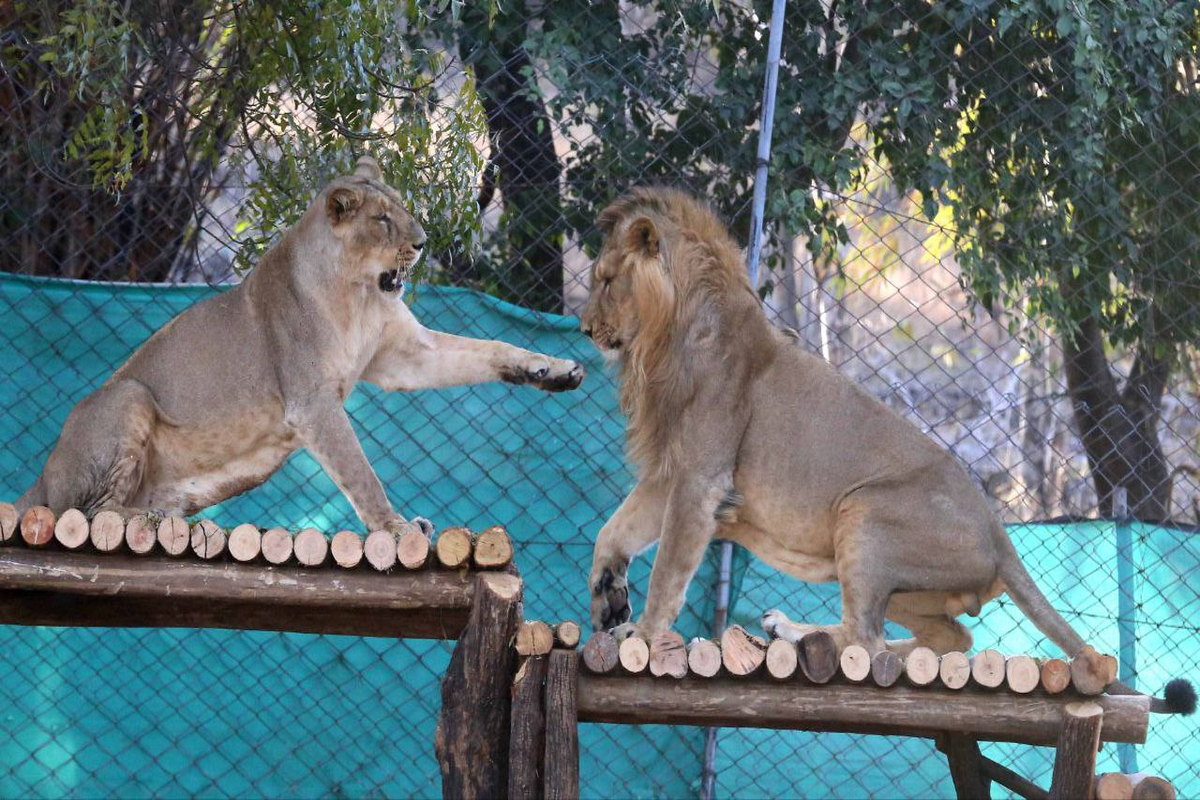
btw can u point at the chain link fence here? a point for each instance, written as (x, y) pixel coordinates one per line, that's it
(985, 213)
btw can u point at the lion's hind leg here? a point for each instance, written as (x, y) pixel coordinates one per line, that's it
(100, 458)
(925, 615)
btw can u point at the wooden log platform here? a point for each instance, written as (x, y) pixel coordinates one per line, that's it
(900, 710)
(82, 588)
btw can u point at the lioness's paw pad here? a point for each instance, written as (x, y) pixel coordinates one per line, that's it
(610, 599)
(564, 376)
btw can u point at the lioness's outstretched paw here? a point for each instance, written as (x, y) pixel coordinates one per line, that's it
(776, 625)
(610, 599)
(550, 374)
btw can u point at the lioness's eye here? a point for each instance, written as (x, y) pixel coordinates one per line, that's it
(384, 218)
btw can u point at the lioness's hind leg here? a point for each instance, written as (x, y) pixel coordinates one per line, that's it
(924, 614)
(100, 458)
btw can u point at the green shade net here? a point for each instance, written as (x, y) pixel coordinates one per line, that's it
(135, 713)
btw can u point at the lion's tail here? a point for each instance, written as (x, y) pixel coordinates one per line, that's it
(1179, 697)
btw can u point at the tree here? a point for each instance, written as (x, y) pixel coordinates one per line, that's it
(1064, 137)
(122, 120)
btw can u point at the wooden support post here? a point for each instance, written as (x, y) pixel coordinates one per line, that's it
(471, 741)
(1075, 757)
(562, 729)
(1018, 784)
(966, 768)
(527, 732)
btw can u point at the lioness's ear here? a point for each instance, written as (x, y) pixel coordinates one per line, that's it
(368, 167)
(642, 237)
(342, 203)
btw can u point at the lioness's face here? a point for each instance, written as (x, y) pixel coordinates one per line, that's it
(380, 239)
(613, 314)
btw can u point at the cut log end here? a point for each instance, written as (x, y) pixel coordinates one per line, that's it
(1113, 786)
(818, 656)
(668, 655)
(600, 653)
(886, 668)
(782, 660)
(855, 663)
(954, 670)
(987, 669)
(310, 547)
(1151, 787)
(107, 531)
(173, 536)
(634, 655)
(380, 550)
(1022, 674)
(276, 546)
(140, 534)
(245, 542)
(454, 547)
(37, 526)
(742, 653)
(493, 548)
(9, 521)
(208, 539)
(1056, 676)
(921, 666)
(704, 657)
(567, 634)
(534, 638)
(71, 529)
(412, 548)
(347, 549)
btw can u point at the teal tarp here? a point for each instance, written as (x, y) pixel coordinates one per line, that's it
(137, 713)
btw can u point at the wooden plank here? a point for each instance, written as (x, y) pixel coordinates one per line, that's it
(795, 705)
(1075, 755)
(157, 591)
(527, 732)
(562, 729)
(471, 741)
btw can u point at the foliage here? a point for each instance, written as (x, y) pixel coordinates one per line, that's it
(282, 95)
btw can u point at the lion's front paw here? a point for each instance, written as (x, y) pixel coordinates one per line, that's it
(425, 525)
(610, 598)
(550, 374)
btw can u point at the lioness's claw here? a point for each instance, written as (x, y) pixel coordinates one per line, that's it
(610, 599)
(564, 376)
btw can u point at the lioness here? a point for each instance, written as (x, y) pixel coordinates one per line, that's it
(739, 433)
(213, 403)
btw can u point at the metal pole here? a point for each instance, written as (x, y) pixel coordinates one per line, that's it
(1126, 611)
(767, 121)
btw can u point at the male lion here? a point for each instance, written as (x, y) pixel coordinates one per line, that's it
(739, 433)
(213, 403)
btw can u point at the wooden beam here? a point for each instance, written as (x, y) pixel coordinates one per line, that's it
(527, 732)
(472, 737)
(899, 710)
(1018, 784)
(130, 591)
(966, 769)
(562, 729)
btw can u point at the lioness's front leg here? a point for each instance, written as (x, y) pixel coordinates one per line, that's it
(418, 358)
(633, 527)
(323, 427)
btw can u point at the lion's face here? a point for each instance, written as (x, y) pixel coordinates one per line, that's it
(629, 287)
(381, 241)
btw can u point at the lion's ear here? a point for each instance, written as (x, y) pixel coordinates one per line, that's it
(368, 167)
(342, 203)
(642, 237)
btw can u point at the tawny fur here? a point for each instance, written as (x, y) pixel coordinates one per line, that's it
(214, 402)
(738, 433)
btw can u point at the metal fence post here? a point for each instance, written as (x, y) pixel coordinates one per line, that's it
(1126, 610)
(767, 121)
